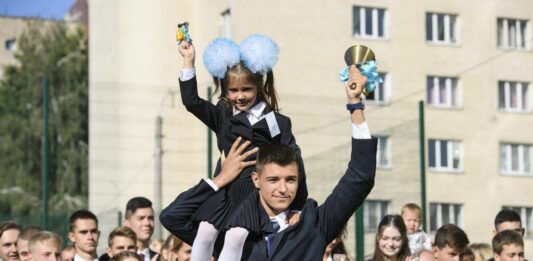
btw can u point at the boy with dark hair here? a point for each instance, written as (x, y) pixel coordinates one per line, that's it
(9, 233)
(140, 218)
(508, 219)
(450, 243)
(84, 234)
(45, 246)
(508, 246)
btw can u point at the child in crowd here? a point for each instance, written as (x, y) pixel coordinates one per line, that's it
(450, 243)
(418, 239)
(247, 109)
(508, 246)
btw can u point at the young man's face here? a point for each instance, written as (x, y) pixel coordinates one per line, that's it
(510, 252)
(510, 225)
(85, 235)
(277, 186)
(411, 218)
(45, 251)
(447, 254)
(8, 245)
(22, 248)
(142, 223)
(120, 244)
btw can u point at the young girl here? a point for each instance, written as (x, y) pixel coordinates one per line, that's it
(391, 240)
(248, 108)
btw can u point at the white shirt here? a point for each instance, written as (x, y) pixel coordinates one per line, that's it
(146, 253)
(79, 258)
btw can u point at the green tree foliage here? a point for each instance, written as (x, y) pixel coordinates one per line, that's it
(58, 52)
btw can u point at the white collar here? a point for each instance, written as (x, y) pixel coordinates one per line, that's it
(256, 110)
(79, 258)
(281, 218)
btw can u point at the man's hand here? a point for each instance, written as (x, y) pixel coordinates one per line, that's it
(355, 86)
(188, 53)
(234, 163)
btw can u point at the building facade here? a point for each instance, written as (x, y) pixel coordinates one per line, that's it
(471, 69)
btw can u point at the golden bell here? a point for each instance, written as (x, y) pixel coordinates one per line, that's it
(358, 54)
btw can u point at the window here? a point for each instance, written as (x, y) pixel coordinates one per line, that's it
(513, 33)
(445, 155)
(515, 159)
(441, 214)
(373, 212)
(369, 22)
(11, 44)
(225, 24)
(441, 28)
(381, 94)
(383, 154)
(442, 92)
(513, 96)
(526, 216)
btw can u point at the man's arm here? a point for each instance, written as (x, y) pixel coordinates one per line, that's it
(358, 180)
(176, 218)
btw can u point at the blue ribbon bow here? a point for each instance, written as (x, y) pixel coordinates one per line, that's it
(368, 69)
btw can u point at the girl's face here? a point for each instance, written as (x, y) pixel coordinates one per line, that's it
(390, 242)
(241, 93)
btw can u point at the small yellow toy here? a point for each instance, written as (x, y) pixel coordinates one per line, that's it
(183, 33)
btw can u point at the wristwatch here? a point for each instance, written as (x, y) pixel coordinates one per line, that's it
(355, 106)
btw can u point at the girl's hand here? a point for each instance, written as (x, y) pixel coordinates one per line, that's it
(356, 85)
(293, 218)
(188, 53)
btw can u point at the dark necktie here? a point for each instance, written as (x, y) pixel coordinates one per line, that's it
(141, 255)
(271, 236)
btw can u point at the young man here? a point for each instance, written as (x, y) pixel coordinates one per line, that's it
(45, 246)
(508, 219)
(140, 218)
(9, 233)
(418, 239)
(450, 243)
(22, 242)
(84, 234)
(508, 246)
(277, 181)
(120, 239)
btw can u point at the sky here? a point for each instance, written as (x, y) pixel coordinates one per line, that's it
(46, 9)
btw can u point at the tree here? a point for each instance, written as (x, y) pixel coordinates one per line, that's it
(59, 52)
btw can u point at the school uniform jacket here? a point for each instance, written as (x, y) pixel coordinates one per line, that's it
(318, 225)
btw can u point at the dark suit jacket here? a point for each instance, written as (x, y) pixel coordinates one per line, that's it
(318, 225)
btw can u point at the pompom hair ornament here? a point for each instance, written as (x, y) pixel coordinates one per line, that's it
(220, 54)
(259, 53)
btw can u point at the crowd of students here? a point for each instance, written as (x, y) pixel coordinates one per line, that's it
(131, 242)
(398, 238)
